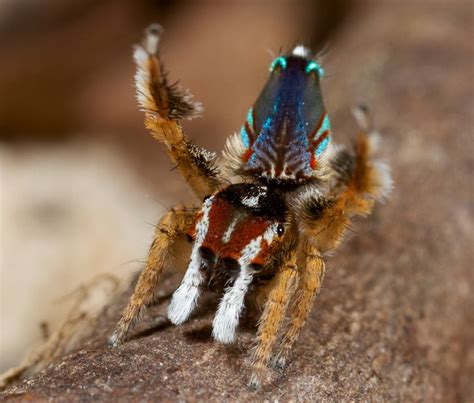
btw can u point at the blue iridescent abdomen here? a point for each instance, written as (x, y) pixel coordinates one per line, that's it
(287, 129)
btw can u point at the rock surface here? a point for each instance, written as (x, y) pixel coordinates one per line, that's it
(394, 320)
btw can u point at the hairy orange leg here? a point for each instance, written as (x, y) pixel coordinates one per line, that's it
(173, 225)
(272, 318)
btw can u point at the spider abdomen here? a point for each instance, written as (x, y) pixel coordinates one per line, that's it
(288, 129)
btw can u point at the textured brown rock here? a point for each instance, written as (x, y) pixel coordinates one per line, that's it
(394, 321)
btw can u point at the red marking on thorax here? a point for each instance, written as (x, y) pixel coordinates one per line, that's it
(261, 258)
(192, 229)
(248, 228)
(221, 217)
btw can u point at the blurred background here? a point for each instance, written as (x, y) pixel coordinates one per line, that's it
(81, 180)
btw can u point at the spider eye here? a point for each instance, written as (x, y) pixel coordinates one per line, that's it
(280, 61)
(280, 230)
(313, 66)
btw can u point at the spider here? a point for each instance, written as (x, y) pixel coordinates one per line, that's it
(279, 199)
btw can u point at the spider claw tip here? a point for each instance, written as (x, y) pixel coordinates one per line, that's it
(114, 341)
(254, 384)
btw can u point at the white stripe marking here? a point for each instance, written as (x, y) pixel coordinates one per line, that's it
(231, 306)
(251, 201)
(232, 303)
(185, 298)
(230, 229)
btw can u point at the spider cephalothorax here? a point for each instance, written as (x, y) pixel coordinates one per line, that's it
(232, 221)
(237, 234)
(263, 238)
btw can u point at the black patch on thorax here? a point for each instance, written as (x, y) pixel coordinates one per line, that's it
(270, 203)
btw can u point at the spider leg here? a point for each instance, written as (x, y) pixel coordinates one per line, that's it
(310, 280)
(165, 105)
(360, 180)
(172, 225)
(273, 314)
(231, 305)
(185, 298)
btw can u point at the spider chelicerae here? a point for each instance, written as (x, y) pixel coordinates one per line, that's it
(279, 198)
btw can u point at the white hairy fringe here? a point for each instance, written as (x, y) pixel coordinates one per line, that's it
(230, 308)
(232, 153)
(362, 117)
(300, 199)
(323, 168)
(185, 298)
(382, 181)
(142, 55)
(301, 51)
(234, 148)
(142, 79)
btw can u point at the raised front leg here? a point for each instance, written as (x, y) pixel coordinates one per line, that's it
(173, 224)
(164, 106)
(280, 293)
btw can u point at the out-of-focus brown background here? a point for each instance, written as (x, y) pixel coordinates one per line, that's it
(81, 179)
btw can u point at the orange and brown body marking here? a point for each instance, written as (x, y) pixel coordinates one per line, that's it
(234, 234)
(235, 219)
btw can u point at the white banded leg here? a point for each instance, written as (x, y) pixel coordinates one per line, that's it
(232, 303)
(185, 298)
(231, 306)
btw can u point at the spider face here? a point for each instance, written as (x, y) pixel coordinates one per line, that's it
(239, 227)
(236, 235)
(287, 131)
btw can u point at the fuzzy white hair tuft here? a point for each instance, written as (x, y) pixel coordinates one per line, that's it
(232, 303)
(232, 153)
(142, 79)
(185, 298)
(145, 56)
(141, 56)
(230, 308)
(382, 180)
(301, 51)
